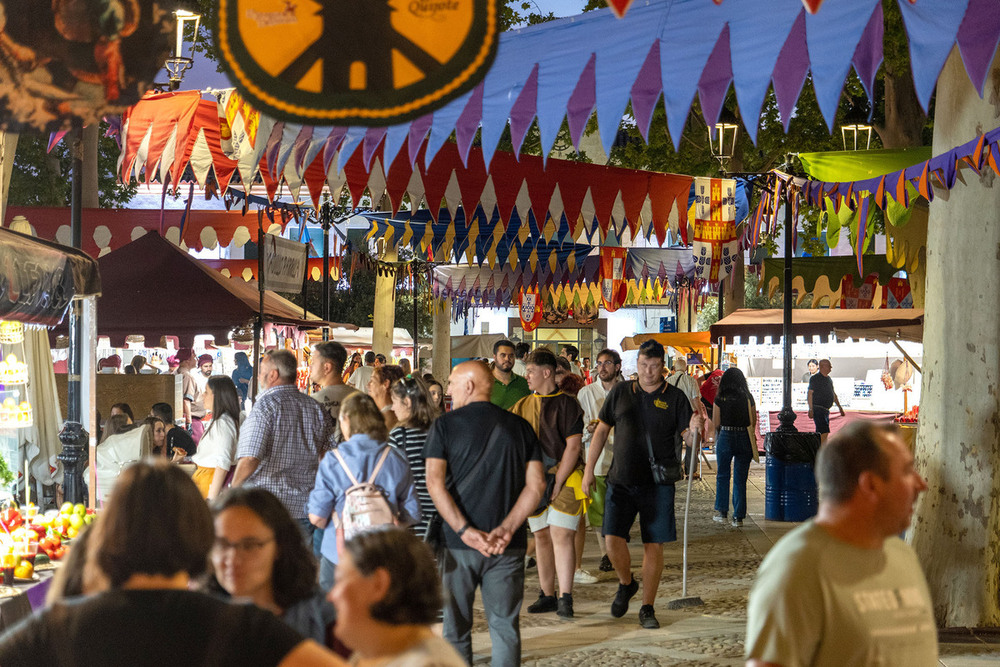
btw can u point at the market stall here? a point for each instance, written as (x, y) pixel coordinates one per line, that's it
(39, 281)
(876, 356)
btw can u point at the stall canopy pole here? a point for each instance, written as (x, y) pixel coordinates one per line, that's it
(416, 332)
(787, 415)
(258, 328)
(326, 220)
(73, 437)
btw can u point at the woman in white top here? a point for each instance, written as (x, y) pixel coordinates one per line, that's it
(217, 448)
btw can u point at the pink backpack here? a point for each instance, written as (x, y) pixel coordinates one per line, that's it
(365, 505)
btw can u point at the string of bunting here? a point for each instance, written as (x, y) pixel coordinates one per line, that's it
(848, 203)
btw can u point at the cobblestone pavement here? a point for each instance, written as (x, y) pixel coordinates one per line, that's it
(722, 561)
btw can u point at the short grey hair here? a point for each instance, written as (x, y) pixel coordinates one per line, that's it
(284, 362)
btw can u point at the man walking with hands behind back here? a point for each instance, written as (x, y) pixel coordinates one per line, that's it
(842, 590)
(646, 414)
(484, 474)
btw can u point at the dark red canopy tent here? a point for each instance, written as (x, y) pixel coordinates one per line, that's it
(153, 288)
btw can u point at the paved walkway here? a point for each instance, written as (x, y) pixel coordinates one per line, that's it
(722, 561)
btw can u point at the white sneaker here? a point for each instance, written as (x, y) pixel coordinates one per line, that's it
(719, 517)
(584, 577)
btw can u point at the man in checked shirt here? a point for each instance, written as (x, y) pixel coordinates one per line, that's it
(282, 439)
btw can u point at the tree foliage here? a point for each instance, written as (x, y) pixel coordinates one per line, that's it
(42, 178)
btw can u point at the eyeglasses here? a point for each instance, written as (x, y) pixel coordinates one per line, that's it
(247, 547)
(606, 363)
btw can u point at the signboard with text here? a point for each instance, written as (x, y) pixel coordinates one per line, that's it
(284, 264)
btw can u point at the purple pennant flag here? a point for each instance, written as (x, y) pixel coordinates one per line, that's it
(331, 146)
(978, 37)
(581, 102)
(790, 72)
(523, 111)
(714, 83)
(273, 147)
(56, 137)
(418, 132)
(373, 137)
(868, 54)
(468, 123)
(646, 91)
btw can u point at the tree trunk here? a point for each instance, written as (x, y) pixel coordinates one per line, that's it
(956, 526)
(904, 119)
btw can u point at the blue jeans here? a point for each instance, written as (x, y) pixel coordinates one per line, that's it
(732, 451)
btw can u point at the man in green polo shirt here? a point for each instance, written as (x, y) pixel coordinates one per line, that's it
(508, 386)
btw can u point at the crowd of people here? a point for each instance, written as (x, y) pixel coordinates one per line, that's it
(357, 518)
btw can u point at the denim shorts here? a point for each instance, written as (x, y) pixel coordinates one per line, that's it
(654, 503)
(821, 416)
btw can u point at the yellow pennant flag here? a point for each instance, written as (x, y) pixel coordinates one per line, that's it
(407, 233)
(533, 260)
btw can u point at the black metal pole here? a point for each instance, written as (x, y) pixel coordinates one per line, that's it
(73, 437)
(258, 328)
(787, 415)
(326, 219)
(416, 326)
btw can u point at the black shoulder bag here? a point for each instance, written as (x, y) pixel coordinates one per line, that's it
(664, 473)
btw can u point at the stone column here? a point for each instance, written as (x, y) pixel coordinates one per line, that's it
(956, 526)
(441, 364)
(384, 315)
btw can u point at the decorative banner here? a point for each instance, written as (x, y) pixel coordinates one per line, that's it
(858, 297)
(715, 245)
(530, 308)
(370, 63)
(284, 264)
(613, 287)
(243, 132)
(897, 294)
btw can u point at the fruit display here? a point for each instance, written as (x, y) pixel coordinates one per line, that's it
(54, 527)
(911, 416)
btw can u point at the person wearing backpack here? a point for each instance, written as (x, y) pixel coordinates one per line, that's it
(361, 485)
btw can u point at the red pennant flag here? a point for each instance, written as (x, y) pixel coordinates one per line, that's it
(619, 7)
(812, 6)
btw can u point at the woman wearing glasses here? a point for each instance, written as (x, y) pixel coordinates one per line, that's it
(411, 402)
(259, 556)
(152, 541)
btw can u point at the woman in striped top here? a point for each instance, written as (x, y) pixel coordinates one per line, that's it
(413, 407)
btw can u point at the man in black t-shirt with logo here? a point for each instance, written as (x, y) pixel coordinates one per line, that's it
(485, 476)
(646, 413)
(821, 397)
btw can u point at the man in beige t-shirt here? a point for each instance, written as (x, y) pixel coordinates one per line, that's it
(326, 368)
(843, 589)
